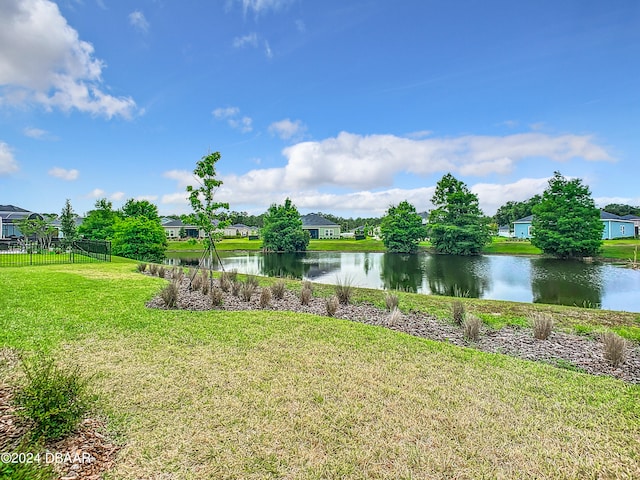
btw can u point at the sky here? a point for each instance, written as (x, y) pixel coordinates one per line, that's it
(346, 107)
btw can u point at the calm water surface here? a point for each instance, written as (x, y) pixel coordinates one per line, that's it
(498, 277)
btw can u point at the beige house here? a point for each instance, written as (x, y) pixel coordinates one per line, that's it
(319, 227)
(172, 229)
(240, 230)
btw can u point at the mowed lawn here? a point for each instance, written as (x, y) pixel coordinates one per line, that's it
(197, 395)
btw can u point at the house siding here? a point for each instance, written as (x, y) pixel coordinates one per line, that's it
(613, 228)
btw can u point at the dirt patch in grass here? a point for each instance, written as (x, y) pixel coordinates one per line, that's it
(563, 350)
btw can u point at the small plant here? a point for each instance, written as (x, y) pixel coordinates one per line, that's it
(235, 287)
(395, 317)
(54, 398)
(308, 285)
(177, 274)
(265, 298)
(247, 290)
(615, 348)
(458, 313)
(332, 303)
(391, 301)
(252, 280)
(542, 325)
(206, 285)
(344, 291)
(225, 282)
(305, 296)
(471, 326)
(142, 267)
(162, 271)
(169, 295)
(216, 296)
(196, 283)
(278, 289)
(153, 269)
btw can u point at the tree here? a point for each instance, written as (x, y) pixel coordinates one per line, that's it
(38, 228)
(621, 209)
(401, 228)
(512, 211)
(139, 238)
(140, 208)
(68, 223)
(457, 226)
(282, 230)
(566, 223)
(207, 212)
(98, 224)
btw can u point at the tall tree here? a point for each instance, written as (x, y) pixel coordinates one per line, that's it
(621, 209)
(38, 228)
(68, 223)
(401, 228)
(282, 230)
(98, 224)
(566, 223)
(140, 238)
(512, 211)
(457, 226)
(140, 208)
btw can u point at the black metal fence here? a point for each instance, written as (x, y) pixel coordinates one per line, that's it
(15, 253)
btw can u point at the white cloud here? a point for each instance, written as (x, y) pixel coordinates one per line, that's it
(603, 201)
(287, 129)
(420, 134)
(138, 20)
(267, 50)
(250, 40)
(8, 164)
(96, 193)
(64, 174)
(260, 6)
(300, 26)
(116, 196)
(43, 61)
(493, 195)
(148, 198)
(36, 133)
(233, 118)
(183, 177)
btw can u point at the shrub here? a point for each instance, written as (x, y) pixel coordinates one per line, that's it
(395, 317)
(162, 271)
(169, 295)
(178, 274)
(542, 325)
(305, 296)
(54, 398)
(308, 285)
(615, 348)
(278, 289)
(196, 283)
(216, 296)
(344, 291)
(225, 282)
(391, 301)
(206, 285)
(235, 287)
(252, 280)
(265, 298)
(153, 269)
(332, 303)
(471, 327)
(142, 267)
(458, 313)
(247, 290)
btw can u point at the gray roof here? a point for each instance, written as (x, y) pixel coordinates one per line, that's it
(630, 217)
(603, 216)
(12, 209)
(526, 219)
(315, 220)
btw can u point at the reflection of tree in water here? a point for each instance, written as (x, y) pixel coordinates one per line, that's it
(288, 265)
(402, 271)
(457, 275)
(565, 282)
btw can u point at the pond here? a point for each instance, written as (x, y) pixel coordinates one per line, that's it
(497, 277)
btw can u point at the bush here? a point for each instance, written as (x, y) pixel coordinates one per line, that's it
(206, 284)
(395, 317)
(225, 283)
(305, 296)
(246, 291)
(142, 267)
(177, 274)
(332, 303)
(54, 398)
(216, 297)
(308, 285)
(458, 313)
(542, 325)
(471, 327)
(615, 349)
(391, 301)
(344, 291)
(153, 269)
(252, 280)
(278, 289)
(235, 287)
(162, 271)
(169, 295)
(265, 298)
(196, 283)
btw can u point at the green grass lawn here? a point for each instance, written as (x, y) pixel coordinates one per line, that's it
(274, 394)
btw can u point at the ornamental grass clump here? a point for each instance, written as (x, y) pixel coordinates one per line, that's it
(235, 288)
(471, 328)
(265, 298)
(225, 282)
(252, 280)
(395, 317)
(247, 290)
(344, 291)
(457, 312)
(196, 283)
(153, 269)
(142, 267)
(162, 271)
(542, 325)
(615, 349)
(391, 301)
(54, 398)
(305, 296)
(278, 289)
(332, 303)
(308, 285)
(217, 296)
(169, 295)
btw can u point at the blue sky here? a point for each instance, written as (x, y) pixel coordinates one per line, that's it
(344, 106)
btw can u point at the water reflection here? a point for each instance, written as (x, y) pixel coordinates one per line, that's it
(455, 276)
(290, 265)
(566, 283)
(402, 272)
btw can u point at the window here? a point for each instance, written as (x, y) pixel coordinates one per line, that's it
(529, 231)
(622, 230)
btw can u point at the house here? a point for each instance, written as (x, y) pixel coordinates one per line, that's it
(57, 224)
(172, 229)
(613, 227)
(9, 216)
(319, 227)
(636, 221)
(240, 230)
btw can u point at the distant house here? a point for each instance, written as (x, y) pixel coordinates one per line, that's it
(10, 215)
(636, 221)
(172, 229)
(57, 224)
(319, 227)
(613, 227)
(240, 230)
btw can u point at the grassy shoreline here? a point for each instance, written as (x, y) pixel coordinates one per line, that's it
(267, 394)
